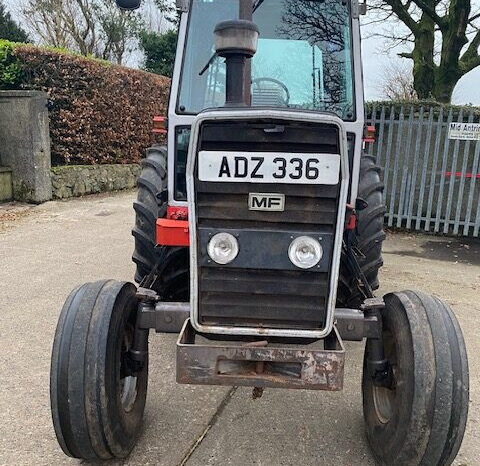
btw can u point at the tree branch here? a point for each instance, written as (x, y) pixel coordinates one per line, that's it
(473, 18)
(402, 12)
(471, 65)
(430, 11)
(471, 58)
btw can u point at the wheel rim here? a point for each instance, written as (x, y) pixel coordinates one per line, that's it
(128, 393)
(384, 398)
(128, 382)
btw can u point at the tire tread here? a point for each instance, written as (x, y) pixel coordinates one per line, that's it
(83, 407)
(429, 430)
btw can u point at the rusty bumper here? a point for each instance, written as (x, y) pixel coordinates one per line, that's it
(318, 365)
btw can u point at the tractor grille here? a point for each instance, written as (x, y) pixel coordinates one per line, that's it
(312, 208)
(264, 298)
(273, 298)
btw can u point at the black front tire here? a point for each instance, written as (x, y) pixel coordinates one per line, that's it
(173, 262)
(421, 418)
(97, 401)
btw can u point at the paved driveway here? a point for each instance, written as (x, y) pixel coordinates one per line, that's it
(47, 250)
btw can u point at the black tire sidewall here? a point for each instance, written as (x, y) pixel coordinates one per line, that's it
(387, 439)
(120, 428)
(127, 424)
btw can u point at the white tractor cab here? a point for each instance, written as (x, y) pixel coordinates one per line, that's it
(308, 58)
(258, 238)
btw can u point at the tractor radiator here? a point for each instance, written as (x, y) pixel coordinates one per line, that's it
(262, 288)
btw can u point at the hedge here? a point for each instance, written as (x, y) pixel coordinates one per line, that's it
(99, 112)
(417, 105)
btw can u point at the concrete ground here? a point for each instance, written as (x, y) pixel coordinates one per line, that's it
(47, 250)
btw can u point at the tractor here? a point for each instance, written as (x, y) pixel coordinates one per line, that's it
(258, 239)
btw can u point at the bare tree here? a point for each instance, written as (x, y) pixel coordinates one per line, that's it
(90, 27)
(323, 24)
(119, 30)
(397, 83)
(42, 19)
(443, 37)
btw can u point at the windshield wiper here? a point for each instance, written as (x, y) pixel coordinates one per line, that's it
(256, 5)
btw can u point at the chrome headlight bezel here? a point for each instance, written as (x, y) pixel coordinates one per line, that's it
(223, 248)
(307, 246)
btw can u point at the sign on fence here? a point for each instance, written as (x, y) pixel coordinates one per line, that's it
(430, 161)
(464, 131)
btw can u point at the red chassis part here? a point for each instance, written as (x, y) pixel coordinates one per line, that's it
(160, 125)
(173, 230)
(369, 134)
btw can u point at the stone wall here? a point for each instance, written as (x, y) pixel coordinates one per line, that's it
(79, 180)
(25, 144)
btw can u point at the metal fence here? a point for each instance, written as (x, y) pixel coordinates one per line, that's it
(432, 183)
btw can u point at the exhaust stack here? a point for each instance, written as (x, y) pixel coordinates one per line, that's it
(236, 41)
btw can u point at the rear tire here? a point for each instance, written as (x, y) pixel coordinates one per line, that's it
(97, 401)
(421, 419)
(370, 235)
(173, 262)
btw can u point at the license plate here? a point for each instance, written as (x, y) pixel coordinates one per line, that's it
(268, 167)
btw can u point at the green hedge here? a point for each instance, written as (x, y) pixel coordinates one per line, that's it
(11, 72)
(99, 112)
(427, 105)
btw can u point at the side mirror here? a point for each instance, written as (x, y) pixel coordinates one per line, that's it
(128, 4)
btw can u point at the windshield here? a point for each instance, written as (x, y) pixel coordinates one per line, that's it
(304, 57)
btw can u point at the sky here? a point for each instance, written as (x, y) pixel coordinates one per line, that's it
(375, 60)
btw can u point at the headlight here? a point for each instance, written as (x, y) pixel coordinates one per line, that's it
(223, 248)
(305, 252)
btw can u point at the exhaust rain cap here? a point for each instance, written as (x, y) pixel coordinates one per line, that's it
(236, 37)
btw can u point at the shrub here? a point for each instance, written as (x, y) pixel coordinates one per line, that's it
(9, 29)
(428, 106)
(159, 50)
(99, 112)
(11, 72)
